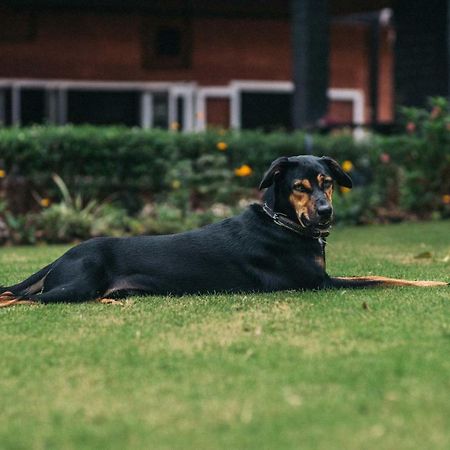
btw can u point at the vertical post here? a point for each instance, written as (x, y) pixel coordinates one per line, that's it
(188, 111)
(200, 111)
(172, 106)
(146, 110)
(235, 109)
(310, 50)
(15, 106)
(62, 106)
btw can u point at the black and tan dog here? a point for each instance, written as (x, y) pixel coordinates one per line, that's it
(273, 247)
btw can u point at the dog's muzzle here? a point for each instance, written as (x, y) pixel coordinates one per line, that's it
(322, 224)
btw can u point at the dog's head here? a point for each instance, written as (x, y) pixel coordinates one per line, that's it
(302, 188)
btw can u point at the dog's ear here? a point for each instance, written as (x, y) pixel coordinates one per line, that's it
(275, 169)
(338, 173)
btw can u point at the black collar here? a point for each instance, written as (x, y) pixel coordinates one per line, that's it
(283, 221)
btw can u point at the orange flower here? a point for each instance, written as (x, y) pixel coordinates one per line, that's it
(2, 173)
(446, 199)
(345, 190)
(347, 166)
(222, 146)
(243, 171)
(174, 126)
(45, 202)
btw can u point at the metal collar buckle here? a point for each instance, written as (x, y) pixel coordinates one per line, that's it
(276, 218)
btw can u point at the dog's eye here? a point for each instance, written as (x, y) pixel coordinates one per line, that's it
(327, 184)
(300, 188)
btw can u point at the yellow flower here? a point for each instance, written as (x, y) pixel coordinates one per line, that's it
(174, 126)
(243, 171)
(222, 146)
(347, 166)
(345, 190)
(446, 199)
(2, 173)
(45, 202)
(176, 184)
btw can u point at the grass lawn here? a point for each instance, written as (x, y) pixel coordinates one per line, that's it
(291, 370)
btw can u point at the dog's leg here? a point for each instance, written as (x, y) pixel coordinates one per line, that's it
(31, 285)
(374, 281)
(66, 293)
(71, 280)
(15, 302)
(57, 295)
(9, 299)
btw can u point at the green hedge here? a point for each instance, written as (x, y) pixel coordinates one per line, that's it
(104, 159)
(409, 172)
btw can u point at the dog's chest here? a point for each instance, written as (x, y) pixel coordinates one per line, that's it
(290, 267)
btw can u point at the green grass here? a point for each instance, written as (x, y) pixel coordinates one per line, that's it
(289, 370)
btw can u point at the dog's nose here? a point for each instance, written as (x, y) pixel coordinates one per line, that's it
(325, 211)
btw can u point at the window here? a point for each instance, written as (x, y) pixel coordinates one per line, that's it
(32, 106)
(5, 107)
(160, 110)
(268, 111)
(166, 43)
(103, 107)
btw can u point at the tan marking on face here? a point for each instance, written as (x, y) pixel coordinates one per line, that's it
(329, 194)
(300, 202)
(329, 191)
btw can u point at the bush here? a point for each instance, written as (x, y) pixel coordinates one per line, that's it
(96, 161)
(183, 175)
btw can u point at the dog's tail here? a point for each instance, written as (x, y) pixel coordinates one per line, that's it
(31, 285)
(374, 281)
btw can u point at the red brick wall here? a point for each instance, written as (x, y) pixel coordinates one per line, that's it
(349, 66)
(108, 47)
(218, 112)
(339, 112)
(349, 60)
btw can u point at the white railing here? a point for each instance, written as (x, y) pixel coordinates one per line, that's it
(194, 110)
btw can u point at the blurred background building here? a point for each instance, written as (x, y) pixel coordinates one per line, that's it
(190, 64)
